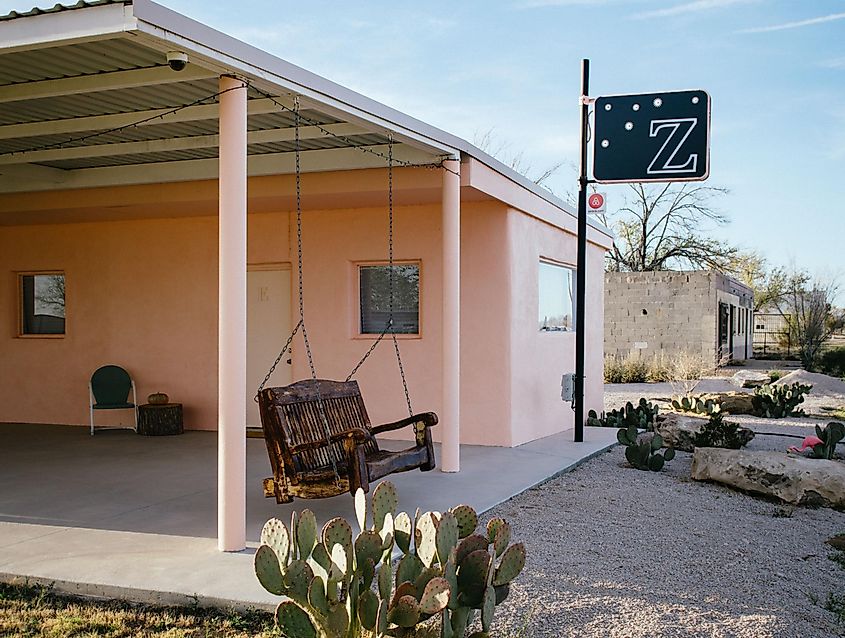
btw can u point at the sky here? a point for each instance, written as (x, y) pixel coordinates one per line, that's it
(775, 70)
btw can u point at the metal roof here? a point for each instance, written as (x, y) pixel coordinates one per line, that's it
(72, 89)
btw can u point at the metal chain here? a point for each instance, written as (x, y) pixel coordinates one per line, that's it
(321, 408)
(276, 362)
(391, 279)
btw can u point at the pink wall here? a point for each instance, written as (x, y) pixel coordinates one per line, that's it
(538, 359)
(142, 293)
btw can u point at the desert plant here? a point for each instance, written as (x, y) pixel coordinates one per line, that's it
(832, 362)
(697, 404)
(642, 451)
(685, 370)
(830, 435)
(446, 569)
(719, 433)
(641, 416)
(779, 401)
(774, 375)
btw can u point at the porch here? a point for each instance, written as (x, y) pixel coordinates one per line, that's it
(122, 515)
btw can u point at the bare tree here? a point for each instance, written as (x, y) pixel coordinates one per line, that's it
(665, 227)
(769, 285)
(807, 308)
(488, 142)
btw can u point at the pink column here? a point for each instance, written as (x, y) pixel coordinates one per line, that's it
(451, 412)
(231, 348)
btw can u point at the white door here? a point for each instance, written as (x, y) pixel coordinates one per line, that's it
(267, 329)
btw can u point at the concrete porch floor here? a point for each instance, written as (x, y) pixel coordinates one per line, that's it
(122, 515)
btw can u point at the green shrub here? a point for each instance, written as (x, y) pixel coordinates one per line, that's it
(719, 433)
(832, 362)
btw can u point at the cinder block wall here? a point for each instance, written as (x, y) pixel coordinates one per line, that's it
(665, 311)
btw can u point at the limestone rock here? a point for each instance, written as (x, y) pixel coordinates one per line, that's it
(750, 379)
(679, 430)
(732, 402)
(793, 479)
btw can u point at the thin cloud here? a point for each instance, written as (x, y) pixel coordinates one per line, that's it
(834, 63)
(538, 4)
(696, 6)
(795, 25)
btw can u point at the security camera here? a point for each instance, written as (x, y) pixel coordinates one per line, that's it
(177, 60)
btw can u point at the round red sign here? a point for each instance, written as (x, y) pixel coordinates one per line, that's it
(596, 201)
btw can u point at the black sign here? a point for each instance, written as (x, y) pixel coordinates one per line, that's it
(652, 137)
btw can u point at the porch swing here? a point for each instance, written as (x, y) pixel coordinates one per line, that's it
(318, 434)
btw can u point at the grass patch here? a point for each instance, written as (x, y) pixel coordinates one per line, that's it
(32, 612)
(835, 604)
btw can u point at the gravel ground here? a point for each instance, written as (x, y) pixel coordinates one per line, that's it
(617, 552)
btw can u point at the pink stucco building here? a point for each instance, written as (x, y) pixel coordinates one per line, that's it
(164, 202)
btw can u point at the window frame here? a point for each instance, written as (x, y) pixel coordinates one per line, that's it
(19, 275)
(356, 299)
(574, 280)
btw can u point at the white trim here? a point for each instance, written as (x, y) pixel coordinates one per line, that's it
(65, 27)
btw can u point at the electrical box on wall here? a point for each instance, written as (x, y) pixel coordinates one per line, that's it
(567, 386)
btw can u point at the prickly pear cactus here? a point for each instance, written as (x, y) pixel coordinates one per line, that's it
(779, 401)
(830, 435)
(643, 451)
(341, 585)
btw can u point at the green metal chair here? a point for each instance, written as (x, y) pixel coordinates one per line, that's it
(109, 389)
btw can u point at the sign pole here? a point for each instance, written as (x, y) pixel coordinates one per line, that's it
(581, 279)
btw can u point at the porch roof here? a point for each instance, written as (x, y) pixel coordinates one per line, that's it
(87, 99)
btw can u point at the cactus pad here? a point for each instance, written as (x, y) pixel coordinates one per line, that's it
(385, 582)
(337, 532)
(268, 571)
(425, 577)
(361, 509)
(340, 564)
(275, 534)
(427, 539)
(512, 562)
(337, 621)
(656, 462)
(470, 544)
(405, 589)
(499, 533)
(295, 621)
(409, 568)
(386, 532)
(298, 579)
(472, 577)
(669, 454)
(368, 609)
(435, 596)
(385, 501)
(368, 546)
(502, 592)
(368, 573)
(402, 531)
(317, 595)
(488, 606)
(446, 536)
(306, 533)
(467, 519)
(405, 613)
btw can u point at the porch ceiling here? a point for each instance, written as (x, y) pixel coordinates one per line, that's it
(106, 109)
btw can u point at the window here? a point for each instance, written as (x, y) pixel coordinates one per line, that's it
(557, 295)
(42, 297)
(374, 291)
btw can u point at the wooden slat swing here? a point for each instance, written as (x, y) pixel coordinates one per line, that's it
(318, 434)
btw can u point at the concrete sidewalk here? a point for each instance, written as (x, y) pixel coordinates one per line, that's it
(119, 515)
